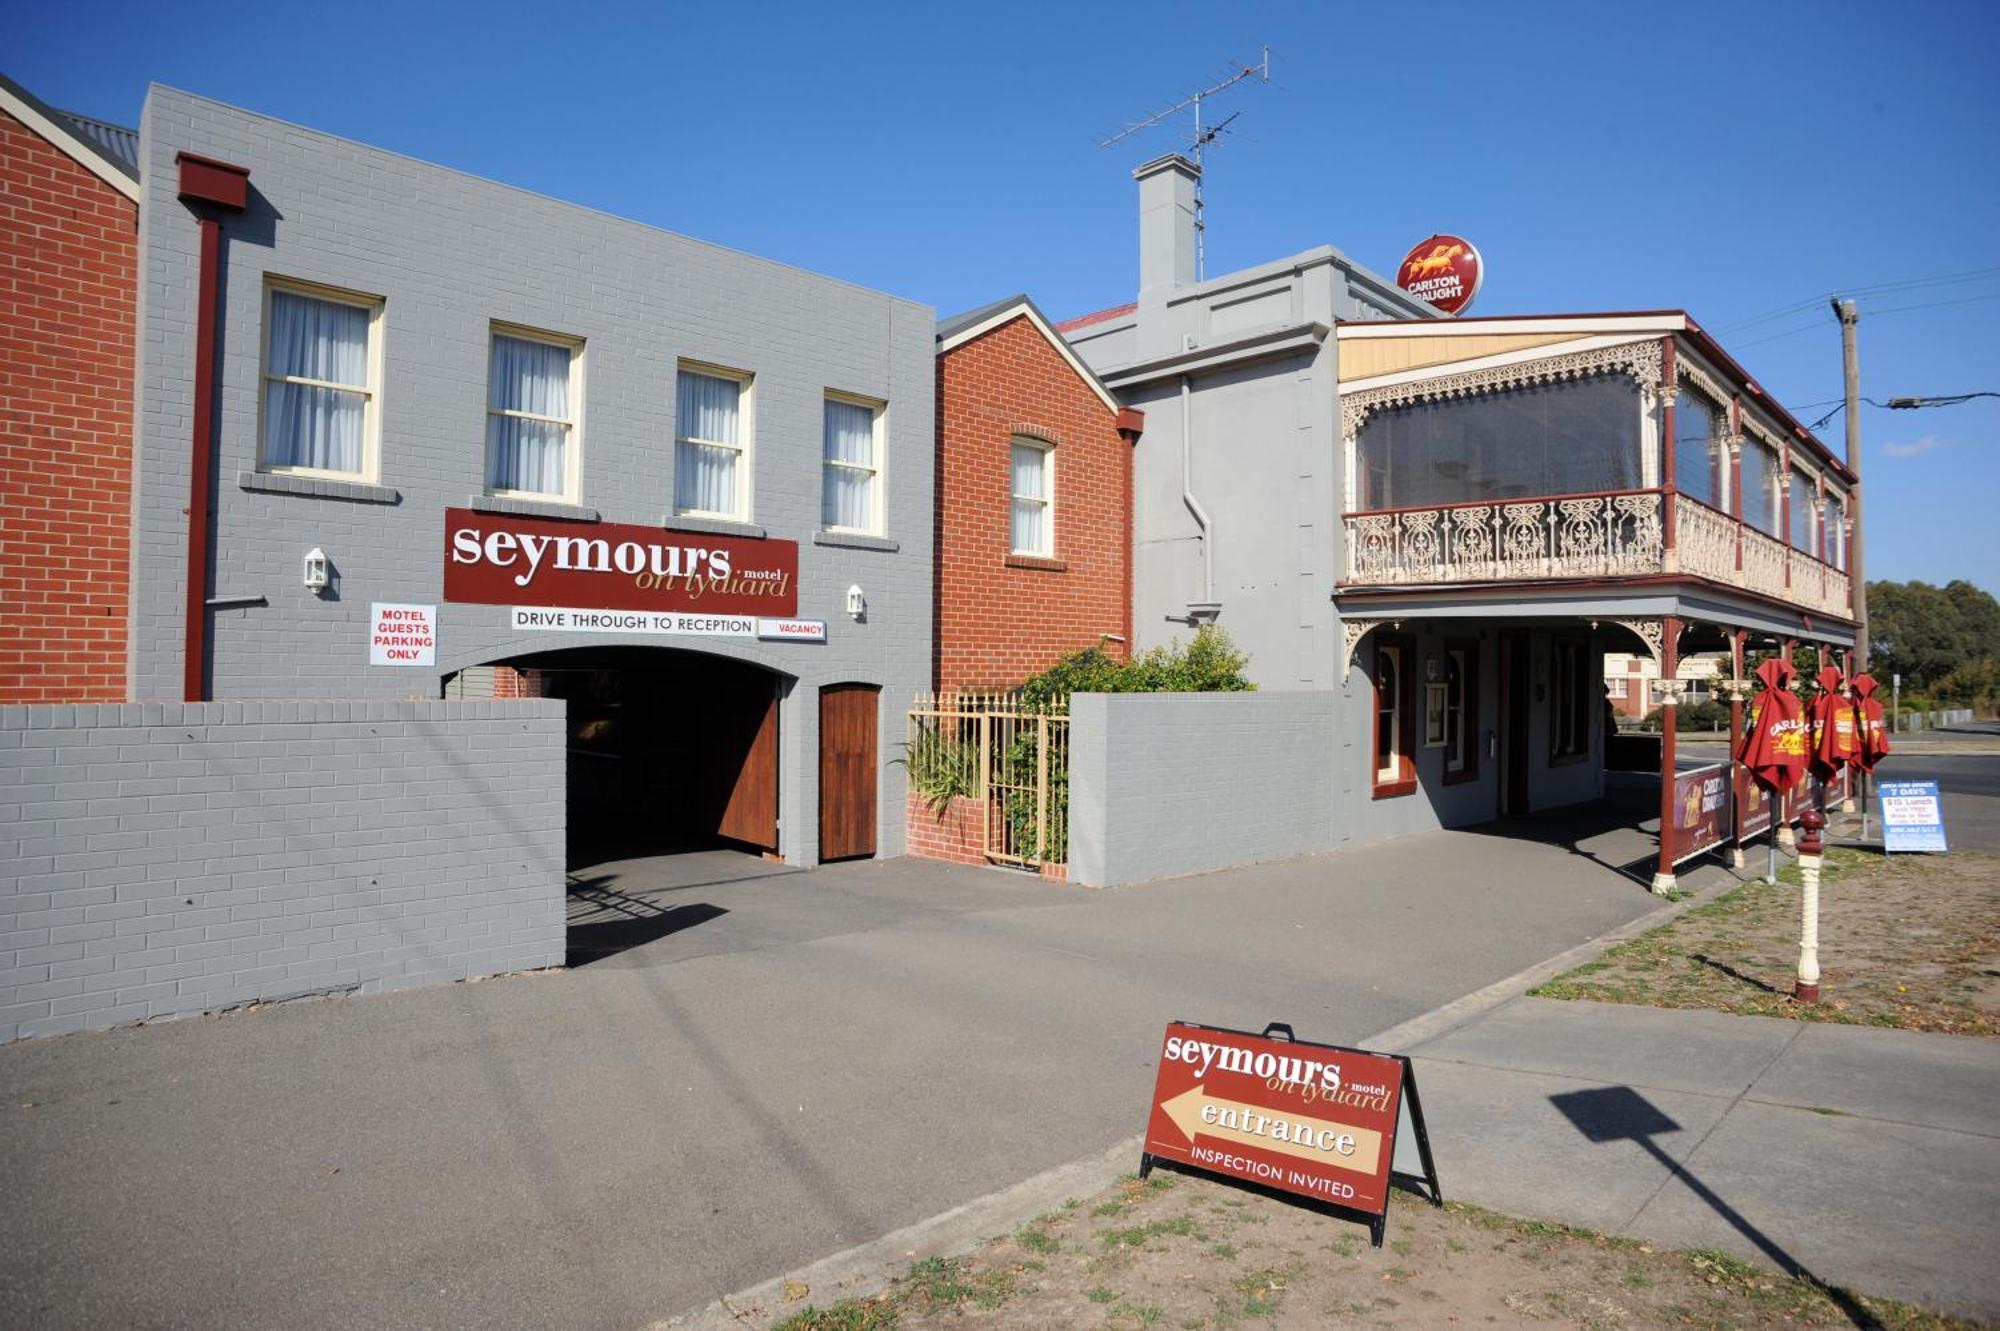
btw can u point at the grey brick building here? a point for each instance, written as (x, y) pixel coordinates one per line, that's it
(370, 308)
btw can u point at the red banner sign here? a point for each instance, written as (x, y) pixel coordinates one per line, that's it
(1309, 1119)
(1701, 810)
(494, 559)
(1445, 271)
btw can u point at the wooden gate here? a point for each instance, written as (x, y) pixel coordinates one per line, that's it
(847, 722)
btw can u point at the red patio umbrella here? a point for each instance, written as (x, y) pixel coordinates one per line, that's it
(1835, 740)
(1873, 739)
(1774, 740)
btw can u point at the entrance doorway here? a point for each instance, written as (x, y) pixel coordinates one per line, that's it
(847, 720)
(668, 752)
(1516, 676)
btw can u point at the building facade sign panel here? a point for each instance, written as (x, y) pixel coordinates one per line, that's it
(493, 559)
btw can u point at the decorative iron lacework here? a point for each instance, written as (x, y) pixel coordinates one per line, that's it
(1756, 426)
(1718, 398)
(1641, 360)
(1352, 631)
(1652, 632)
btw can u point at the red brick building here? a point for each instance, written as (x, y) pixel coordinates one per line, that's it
(69, 220)
(1033, 554)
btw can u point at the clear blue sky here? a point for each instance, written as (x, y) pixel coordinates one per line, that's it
(1730, 159)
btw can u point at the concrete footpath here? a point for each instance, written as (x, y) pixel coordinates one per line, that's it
(1867, 1158)
(773, 1070)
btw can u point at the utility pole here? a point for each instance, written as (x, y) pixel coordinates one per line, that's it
(1844, 311)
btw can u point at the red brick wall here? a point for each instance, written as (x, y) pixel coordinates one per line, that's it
(956, 833)
(1001, 619)
(68, 286)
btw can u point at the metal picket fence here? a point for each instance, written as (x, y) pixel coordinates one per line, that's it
(1010, 757)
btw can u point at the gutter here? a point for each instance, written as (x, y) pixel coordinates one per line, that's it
(223, 189)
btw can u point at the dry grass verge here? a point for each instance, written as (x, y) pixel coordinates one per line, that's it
(1909, 941)
(1191, 1253)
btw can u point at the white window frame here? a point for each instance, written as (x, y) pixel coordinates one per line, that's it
(877, 491)
(746, 434)
(1047, 501)
(572, 491)
(371, 427)
(1455, 694)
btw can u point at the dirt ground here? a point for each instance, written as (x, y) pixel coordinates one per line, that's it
(1907, 941)
(1185, 1251)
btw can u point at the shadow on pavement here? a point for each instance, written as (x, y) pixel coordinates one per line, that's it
(618, 922)
(1619, 1113)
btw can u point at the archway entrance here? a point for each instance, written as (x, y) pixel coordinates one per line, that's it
(670, 751)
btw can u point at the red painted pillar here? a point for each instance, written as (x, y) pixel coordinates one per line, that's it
(1736, 475)
(1668, 384)
(1670, 664)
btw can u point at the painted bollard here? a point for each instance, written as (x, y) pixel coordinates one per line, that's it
(1810, 847)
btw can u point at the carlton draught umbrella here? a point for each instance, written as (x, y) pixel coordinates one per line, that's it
(1872, 741)
(1774, 742)
(1835, 743)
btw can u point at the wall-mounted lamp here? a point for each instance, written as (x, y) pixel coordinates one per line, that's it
(315, 573)
(857, 604)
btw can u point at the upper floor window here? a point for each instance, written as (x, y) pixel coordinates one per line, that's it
(321, 378)
(712, 443)
(1760, 487)
(1700, 456)
(1575, 436)
(1805, 513)
(1033, 468)
(533, 400)
(1835, 512)
(850, 498)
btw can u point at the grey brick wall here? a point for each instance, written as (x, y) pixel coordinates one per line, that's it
(1172, 783)
(448, 254)
(164, 858)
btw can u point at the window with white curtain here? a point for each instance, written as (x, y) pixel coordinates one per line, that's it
(712, 444)
(1034, 475)
(850, 498)
(322, 363)
(532, 402)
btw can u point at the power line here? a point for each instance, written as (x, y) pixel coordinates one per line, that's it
(1880, 288)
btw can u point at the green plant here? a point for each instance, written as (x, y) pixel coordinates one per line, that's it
(943, 766)
(1210, 663)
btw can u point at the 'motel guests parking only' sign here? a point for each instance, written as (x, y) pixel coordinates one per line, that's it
(1308, 1119)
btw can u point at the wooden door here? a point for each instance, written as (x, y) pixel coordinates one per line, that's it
(847, 771)
(745, 754)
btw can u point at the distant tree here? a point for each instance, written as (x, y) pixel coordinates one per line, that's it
(1925, 632)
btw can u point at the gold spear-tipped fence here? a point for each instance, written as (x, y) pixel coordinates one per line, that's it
(1009, 756)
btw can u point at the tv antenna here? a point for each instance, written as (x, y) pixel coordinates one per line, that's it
(1203, 135)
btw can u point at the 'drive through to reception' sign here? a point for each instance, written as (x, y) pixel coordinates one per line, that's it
(1312, 1119)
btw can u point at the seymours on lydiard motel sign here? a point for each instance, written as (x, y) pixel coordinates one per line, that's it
(1317, 1120)
(607, 578)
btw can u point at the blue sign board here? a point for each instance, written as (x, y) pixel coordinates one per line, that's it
(1912, 817)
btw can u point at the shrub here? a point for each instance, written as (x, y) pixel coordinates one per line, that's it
(1210, 663)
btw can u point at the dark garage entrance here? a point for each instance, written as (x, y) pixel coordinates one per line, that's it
(669, 751)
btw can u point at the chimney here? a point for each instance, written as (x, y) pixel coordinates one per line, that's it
(1166, 226)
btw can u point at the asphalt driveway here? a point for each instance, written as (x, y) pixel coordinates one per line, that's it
(793, 1064)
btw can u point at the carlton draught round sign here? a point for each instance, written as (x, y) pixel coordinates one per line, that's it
(1445, 271)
